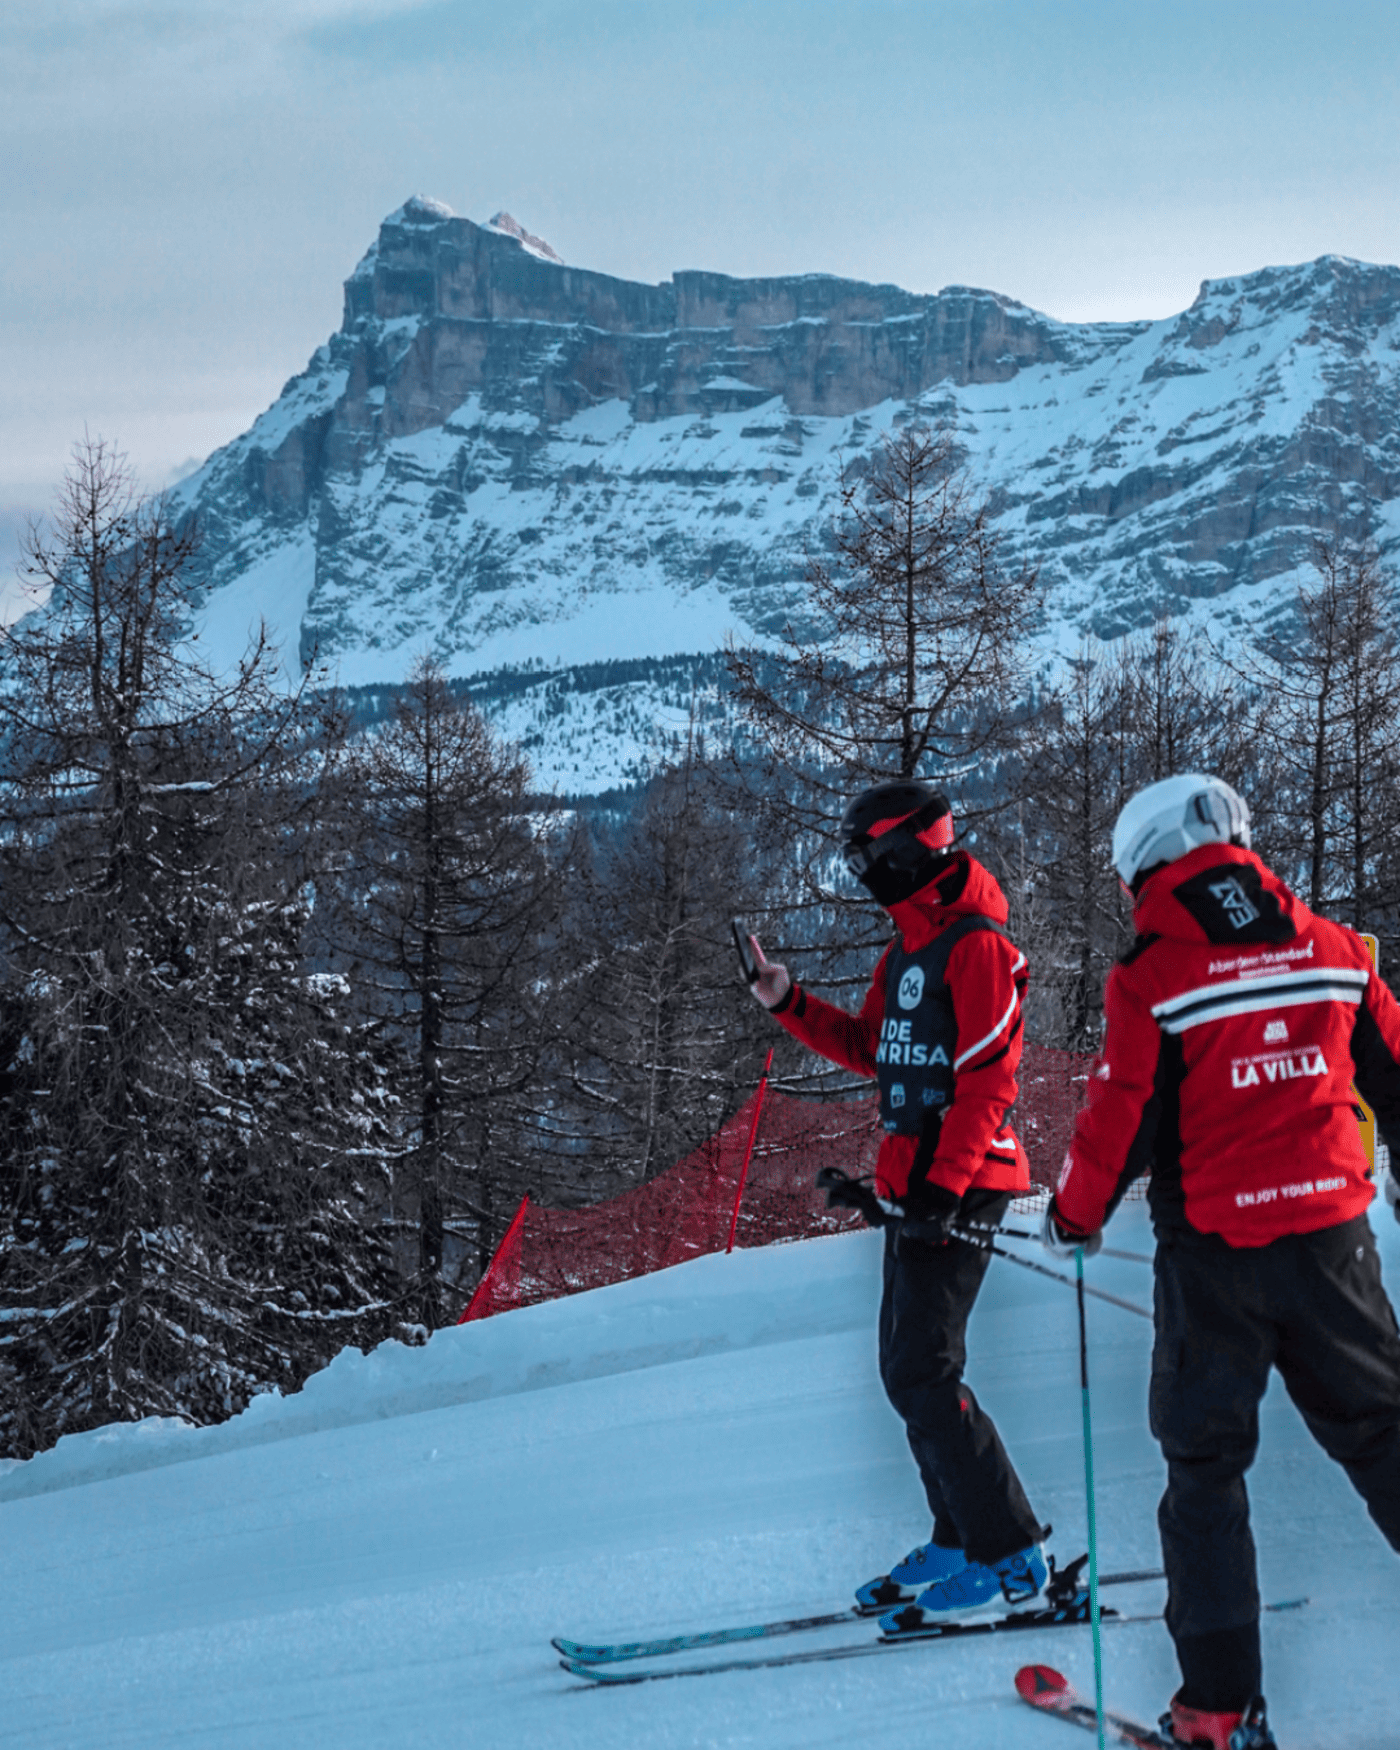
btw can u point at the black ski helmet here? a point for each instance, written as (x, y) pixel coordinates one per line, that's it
(896, 863)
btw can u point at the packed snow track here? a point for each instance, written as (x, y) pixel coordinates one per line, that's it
(381, 1559)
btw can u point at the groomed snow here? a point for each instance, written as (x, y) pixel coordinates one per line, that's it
(381, 1559)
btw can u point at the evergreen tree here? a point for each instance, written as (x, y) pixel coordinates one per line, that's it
(1080, 773)
(1330, 686)
(910, 656)
(667, 1041)
(191, 1134)
(449, 890)
(1127, 715)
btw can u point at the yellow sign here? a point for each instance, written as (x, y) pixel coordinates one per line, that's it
(1365, 1116)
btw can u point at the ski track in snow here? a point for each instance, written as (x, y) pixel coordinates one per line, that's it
(381, 1559)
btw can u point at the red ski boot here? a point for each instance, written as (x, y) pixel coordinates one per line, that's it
(1203, 1731)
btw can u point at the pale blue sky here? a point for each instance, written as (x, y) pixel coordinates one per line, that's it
(187, 182)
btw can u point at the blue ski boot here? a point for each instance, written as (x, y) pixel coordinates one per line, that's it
(921, 1568)
(997, 1589)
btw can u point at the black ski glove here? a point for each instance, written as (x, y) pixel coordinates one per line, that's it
(930, 1214)
(844, 1192)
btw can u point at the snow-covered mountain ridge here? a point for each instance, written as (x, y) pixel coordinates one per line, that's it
(504, 460)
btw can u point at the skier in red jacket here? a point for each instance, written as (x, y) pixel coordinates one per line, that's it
(1235, 1026)
(940, 1031)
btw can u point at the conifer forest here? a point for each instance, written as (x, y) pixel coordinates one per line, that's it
(300, 992)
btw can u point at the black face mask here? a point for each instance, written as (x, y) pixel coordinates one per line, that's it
(893, 867)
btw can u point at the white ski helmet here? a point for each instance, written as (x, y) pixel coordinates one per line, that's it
(1168, 819)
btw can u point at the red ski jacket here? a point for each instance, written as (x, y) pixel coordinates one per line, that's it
(1235, 1026)
(986, 978)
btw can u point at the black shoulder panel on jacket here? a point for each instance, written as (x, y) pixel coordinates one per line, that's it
(1162, 1152)
(1140, 946)
(1231, 904)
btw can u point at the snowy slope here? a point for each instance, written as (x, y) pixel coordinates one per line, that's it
(380, 1560)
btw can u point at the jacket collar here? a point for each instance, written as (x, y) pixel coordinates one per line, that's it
(963, 887)
(1207, 896)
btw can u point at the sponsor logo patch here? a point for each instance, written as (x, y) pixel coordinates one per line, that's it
(897, 1045)
(1275, 1032)
(1234, 902)
(1277, 1066)
(1253, 965)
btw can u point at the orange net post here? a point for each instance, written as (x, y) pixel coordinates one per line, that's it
(501, 1282)
(748, 1152)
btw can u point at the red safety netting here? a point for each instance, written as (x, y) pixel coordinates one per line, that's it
(687, 1211)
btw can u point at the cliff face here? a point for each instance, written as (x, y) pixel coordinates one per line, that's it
(504, 459)
(489, 317)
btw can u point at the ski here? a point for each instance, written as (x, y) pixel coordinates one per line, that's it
(1075, 1612)
(1064, 1584)
(1049, 1693)
(614, 1652)
(1065, 1616)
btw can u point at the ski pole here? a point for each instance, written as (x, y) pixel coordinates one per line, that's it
(974, 1232)
(1023, 1233)
(1054, 1275)
(1089, 1494)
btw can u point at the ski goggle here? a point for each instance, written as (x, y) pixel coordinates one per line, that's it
(901, 851)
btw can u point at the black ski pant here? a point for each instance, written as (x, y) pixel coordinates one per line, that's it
(974, 1494)
(1313, 1306)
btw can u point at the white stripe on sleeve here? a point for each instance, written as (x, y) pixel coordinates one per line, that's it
(972, 1050)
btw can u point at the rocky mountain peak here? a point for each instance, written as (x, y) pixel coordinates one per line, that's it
(509, 227)
(419, 209)
(1361, 291)
(534, 469)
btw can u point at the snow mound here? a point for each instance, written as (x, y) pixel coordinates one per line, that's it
(734, 1302)
(420, 209)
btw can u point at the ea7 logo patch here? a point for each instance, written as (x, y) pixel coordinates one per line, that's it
(1275, 1031)
(1238, 908)
(911, 988)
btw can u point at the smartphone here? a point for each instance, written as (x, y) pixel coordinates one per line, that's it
(745, 947)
